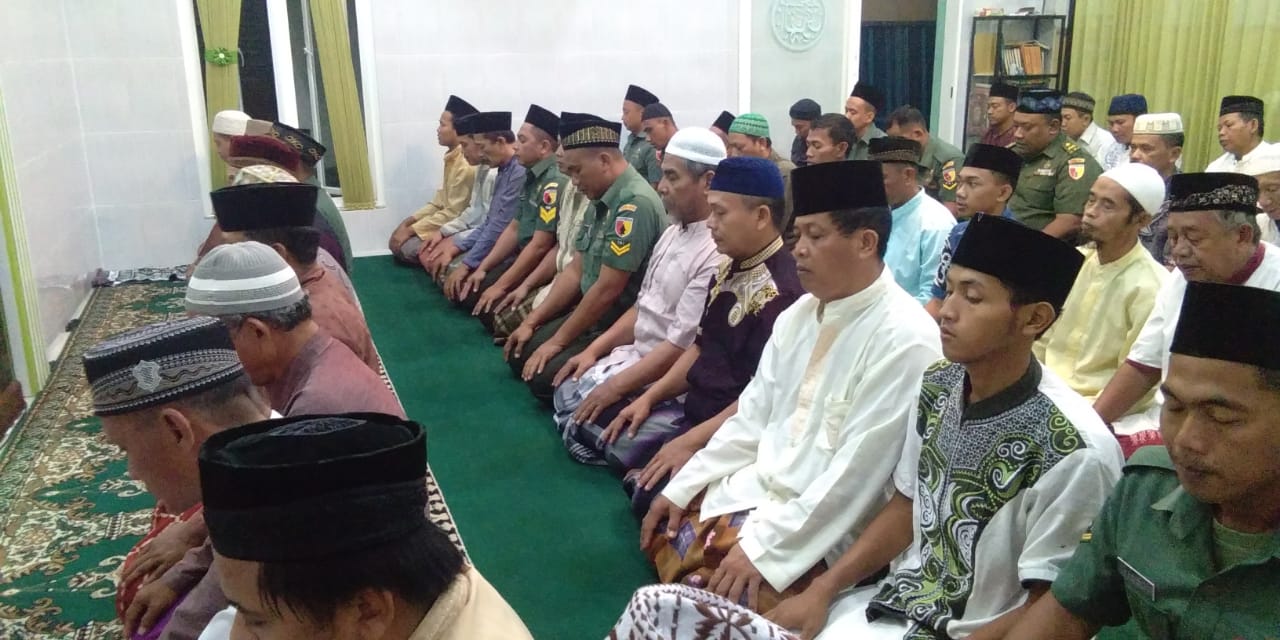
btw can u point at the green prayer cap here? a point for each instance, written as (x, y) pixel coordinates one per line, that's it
(750, 124)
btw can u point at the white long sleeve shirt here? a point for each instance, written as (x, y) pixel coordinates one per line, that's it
(819, 429)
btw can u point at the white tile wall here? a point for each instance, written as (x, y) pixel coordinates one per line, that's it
(566, 55)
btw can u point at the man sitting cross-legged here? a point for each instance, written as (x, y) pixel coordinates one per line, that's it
(304, 370)
(1003, 468)
(160, 392)
(650, 337)
(280, 216)
(806, 461)
(612, 252)
(656, 434)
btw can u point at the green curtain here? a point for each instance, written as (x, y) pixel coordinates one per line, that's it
(346, 120)
(1183, 55)
(220, 23)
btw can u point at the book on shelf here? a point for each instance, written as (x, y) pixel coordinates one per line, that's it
(984, 54)
(1012, 55)
(1032, 55)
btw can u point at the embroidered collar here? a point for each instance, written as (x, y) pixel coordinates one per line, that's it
(759, 258)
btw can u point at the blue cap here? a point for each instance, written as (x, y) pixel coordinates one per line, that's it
(747, 176)
(1132, 104)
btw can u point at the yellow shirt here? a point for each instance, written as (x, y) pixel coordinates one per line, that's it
(1102, 317)
(452, 197)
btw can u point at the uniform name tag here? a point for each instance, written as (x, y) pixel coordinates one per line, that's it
(1136, 580)
(1044, 171)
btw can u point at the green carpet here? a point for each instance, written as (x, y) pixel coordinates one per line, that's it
(555, 537)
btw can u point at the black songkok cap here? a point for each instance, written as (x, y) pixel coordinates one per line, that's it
(158, 364)
(837, 186)
(581, 131)
(1001, 160)
(1213, 192)
(1240, 104)
(1215, 318)
(1042, 265)
(640, 96)
(313, 487)
(459, 108)
(489, 122)
(724, 121)
(1041, 101)
(543, 119)
(309, 148)
(271, 205)
(805, 109)
(655, 110)
(1002, 90)
(872, 95)
(462, 126)
(895, 149)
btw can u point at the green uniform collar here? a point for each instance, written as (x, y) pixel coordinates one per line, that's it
(1189, 517)
(1056, 148)
(612, 197)
(541, 167)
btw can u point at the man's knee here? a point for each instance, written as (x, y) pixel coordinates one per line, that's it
(408, 250)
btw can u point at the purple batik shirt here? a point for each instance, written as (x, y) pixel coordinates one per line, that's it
(502, 209)
(325, 378)
(742, 305)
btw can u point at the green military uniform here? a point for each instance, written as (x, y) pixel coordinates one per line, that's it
(1155, 554)
(539, 206)
(1056, 180)
(862, 146)
(328, 209)
(618, 231)
(943, 161)
(640, 153)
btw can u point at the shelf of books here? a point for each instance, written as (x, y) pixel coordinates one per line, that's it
(1021, 50)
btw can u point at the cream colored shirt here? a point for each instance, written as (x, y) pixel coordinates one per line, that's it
(451, 198)
(819, 429)
(1228, 163)
(1101, 319)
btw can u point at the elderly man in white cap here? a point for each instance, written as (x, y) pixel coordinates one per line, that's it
(1157, 142)
(1115, 289)
(649, 338)
(227, 125)
(1265, 166)
(304, 370)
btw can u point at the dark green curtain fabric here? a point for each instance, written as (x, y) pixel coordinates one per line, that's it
(898, 58)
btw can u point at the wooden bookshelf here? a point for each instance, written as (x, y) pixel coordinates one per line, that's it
(1025, 51)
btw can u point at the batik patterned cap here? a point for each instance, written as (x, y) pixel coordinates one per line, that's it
(158, 364)
(1015, 253)
(894, 149)
(1213, 192)
(750, 124)
(583, 130)
(1041, 101)
(1082, 102)
(309, 148)
(245, 277)
(313, 487)
(1215, 316)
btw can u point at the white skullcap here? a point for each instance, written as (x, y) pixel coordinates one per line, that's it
(697, 145)
(1142, 182)
(1261, 161)
(230, 122)
(1158, 123)
(241, 278)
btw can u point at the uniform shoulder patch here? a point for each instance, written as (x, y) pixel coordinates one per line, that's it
(1070, 146)
(627, 208)
(622, 226)
(1076, 168)
(949, 178)
(619, 248)
(549, 208)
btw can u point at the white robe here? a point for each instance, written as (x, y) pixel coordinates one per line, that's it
(1228, 163)
(819, 429)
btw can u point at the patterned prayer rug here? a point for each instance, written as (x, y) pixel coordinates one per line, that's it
(68, 511)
